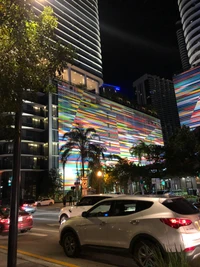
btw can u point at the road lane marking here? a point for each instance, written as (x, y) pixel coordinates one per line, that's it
(37, 234)
(45, 230)
(42, 258)
(53, 224)
(44, 219)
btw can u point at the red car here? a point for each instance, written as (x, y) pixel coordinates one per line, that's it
(25, 220)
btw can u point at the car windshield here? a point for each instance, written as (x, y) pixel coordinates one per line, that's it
(5, 211)
(28, 201)
(180, 205)
(90, 201)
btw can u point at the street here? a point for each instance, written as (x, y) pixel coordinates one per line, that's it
(43, 239)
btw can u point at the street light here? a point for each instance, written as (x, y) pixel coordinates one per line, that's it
(99, 174)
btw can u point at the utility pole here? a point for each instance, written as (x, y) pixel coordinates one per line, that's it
(15, 191)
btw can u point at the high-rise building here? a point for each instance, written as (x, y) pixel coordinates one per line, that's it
(190, 18)
(182, 46)
(78, 25)
(158, 94)
(46, 118)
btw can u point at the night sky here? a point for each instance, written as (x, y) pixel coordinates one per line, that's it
(138, 37)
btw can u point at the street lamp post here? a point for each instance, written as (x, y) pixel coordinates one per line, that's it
(99, 174)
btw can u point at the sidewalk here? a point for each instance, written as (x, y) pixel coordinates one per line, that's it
(27, 261)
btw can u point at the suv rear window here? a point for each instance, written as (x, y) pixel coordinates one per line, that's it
(180, 205)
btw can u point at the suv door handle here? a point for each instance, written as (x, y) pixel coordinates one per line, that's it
(102, 223)
(135, 222)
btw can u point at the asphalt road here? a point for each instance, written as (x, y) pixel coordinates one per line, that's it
(43, 239)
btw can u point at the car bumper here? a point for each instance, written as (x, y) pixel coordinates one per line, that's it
(21, 227)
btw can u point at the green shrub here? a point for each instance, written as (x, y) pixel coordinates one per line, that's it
(173, 259)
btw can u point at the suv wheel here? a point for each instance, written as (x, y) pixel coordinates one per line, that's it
(63, 218)
(71, 245)
(146, 253)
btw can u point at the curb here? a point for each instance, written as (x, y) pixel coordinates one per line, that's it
(37, 259)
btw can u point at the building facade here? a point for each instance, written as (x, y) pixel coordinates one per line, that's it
(190, 18)
(46, 117)
(182, 47)
(78, 26)
(158, 94)
(119, 127)
(187, 92)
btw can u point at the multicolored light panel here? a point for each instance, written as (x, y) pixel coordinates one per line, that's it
(118, 126)
(187, 90)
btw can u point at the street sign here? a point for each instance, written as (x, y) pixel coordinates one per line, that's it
(84, 183)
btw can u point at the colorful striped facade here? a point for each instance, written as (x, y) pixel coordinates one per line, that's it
(118, 126)
(187, 90)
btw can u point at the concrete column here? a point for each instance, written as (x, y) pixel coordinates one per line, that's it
(69, 75)
(97, 89)
(85, 80)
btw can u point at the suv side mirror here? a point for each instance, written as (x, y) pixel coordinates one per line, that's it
(84, 214)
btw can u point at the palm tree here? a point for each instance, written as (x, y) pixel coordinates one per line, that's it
(96, 153)
(65, 154)
(140, 150)
(79, 139)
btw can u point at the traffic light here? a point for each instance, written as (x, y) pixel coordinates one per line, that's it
(9, 182)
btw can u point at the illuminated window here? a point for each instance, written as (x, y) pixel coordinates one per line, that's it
(92, 84)
(77, 78)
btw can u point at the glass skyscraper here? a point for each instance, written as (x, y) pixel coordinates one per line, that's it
(78, 25)
(190, 18)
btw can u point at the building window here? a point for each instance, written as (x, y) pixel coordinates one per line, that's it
(77, 78)
(92, 84)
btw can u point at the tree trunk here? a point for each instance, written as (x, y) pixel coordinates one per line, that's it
(63, 179)
(15, 191)
(82, 163)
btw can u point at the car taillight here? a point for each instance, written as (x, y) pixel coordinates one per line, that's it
(189, 249)
(5, 221)
(176, 222)
(24, 205)
(29, 217)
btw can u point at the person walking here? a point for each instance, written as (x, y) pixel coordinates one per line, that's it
(70, 200)
(64, 201)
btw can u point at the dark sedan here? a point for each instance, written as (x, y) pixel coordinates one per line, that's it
(25, 220)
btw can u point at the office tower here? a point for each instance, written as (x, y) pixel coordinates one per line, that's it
(78, 25)
(46, 118)
(158, 94)
(190, 18)
(182, 46)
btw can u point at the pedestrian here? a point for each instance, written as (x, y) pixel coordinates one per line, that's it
(70, 200)
(64, 201)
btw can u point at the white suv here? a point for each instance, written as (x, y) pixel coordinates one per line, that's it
(84, 204)
(139, 224)
(45, 202)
